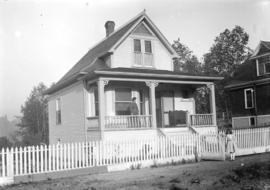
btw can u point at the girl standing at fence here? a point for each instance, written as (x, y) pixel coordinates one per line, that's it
(230, 143)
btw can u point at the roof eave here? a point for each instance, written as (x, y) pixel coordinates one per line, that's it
(119, 73)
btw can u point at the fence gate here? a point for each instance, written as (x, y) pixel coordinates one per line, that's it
(212, 147)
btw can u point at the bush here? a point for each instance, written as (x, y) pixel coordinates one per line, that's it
(5, 142)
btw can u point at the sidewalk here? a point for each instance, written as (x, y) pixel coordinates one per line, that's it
(202, 175)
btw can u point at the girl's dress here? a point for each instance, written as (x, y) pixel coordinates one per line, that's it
(230, 144)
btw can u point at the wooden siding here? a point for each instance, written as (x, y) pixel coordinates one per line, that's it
(237, 101)
(71, 128)
(263, 99)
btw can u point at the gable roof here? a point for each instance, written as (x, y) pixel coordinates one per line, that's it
(105, 47)
(262, 44)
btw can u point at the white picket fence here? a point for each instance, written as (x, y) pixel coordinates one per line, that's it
(126, 153)
(41, 159)
(251, 141)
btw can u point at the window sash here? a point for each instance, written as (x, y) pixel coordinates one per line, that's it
(137, 45)
(122, 101)
(147, 46)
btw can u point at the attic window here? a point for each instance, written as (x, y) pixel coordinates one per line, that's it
(148, 46)
(137, 45)
(143, 53)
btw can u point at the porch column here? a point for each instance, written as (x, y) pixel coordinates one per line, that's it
(152, 85)
(101, 105)
(213, 103)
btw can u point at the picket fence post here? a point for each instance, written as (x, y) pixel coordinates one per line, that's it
(10, 162)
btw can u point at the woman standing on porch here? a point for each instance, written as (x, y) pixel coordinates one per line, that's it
(230, 143)
(133, 107)
(134, 111)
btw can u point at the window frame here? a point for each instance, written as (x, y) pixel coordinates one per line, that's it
(143, 52)
(93, 103)
(117, 101)
(262, 65)
(252, 98)
(58, 112)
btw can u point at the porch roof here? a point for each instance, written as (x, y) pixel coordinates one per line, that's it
(153, 73)
(246, 84)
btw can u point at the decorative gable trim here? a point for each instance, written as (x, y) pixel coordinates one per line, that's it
(143, 29)
(159, 35)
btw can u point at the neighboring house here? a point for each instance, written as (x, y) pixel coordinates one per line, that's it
(249, 93)
(92, 101)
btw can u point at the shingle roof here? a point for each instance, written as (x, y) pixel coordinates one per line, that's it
(99, 50)
(93, 55)
(266, 43)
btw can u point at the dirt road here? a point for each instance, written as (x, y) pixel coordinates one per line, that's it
(250, 172)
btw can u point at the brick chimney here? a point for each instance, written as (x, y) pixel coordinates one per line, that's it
(109, 26)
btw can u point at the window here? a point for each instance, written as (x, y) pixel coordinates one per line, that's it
(249, 98)
(58, 111)
(142, 107)
(148, 46)
(96, 101)
(252, 121)
(143, 53)
(122, 101)
(263, 65)
(93, 102)
(137, 45)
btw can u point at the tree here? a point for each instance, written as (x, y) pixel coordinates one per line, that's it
(228, 52)
(34, 121)
(186, 62)
(5, 142)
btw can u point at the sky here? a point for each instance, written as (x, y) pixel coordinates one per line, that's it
(40, 40)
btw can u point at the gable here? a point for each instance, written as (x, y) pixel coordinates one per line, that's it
(141, 29)
(263, 50)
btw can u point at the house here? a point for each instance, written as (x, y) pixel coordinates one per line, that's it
(92, 100)
(249, 92)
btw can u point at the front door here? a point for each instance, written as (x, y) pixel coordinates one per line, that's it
(167, 106)
(164, 104)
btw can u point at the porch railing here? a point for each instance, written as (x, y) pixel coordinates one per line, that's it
(201, 119)
(128, 122)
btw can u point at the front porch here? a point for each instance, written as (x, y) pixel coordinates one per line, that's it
(130, 122)
(161, 104)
